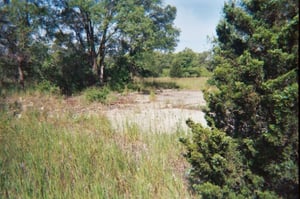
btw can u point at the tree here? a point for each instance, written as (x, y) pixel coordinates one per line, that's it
(96, 30)
(68, 69)
(188, 63)
(20, 38)
(205, 60)
(256, 73)
(116, 28)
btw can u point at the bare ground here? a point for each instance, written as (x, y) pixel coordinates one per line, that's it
(166, 111)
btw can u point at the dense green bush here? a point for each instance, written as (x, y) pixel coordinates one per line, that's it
(218, 166)
(68, 70)
(47, 87)
(176, 71)
(118, 73)
(94, 94)
(255, 108)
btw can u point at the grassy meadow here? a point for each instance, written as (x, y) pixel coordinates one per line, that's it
(179, 83)
(50, 151)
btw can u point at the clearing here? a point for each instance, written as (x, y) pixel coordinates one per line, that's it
(164, 111)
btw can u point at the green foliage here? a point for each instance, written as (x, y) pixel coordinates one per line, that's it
(190, 64)
(256, 103)
(151, 63)
(119, 73)
(17, 45)
(210, 154)
(176, 71)
(68, 70)
(209, 191)
(7, 70)
(218, 169)
(183, 62)
(122, 28)
(95, 94)
(204, 72)
(72, 43)
(47, 87)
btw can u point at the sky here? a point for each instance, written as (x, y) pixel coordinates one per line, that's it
(197, 21)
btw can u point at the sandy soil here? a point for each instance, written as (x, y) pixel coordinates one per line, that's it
(166, 111)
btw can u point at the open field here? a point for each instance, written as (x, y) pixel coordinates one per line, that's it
(56, 147)
(199, 83)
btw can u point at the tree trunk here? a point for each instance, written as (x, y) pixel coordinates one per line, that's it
(102, 56)
(95, 66)
(20, 71)
(91, 41)
(101, 75)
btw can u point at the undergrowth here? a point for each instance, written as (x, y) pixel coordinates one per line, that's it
(94, 94)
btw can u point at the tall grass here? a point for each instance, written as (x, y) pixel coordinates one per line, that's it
(189, 83)
(80, 156)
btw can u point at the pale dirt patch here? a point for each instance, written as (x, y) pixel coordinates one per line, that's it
(164, 112)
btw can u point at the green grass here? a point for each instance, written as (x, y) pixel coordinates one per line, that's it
(80, 156)
(189, 83)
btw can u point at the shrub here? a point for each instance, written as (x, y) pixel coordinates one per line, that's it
(97, 94)
(68, 70)
(47, 87)
(176, 71)
(218, 169)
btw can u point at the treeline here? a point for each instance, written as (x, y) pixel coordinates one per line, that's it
(185, 63)
(252, 147)
(76, 43)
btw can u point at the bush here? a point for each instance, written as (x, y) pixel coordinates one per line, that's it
(97, 95)
(209, 191)
(176, 71)
(48, 87)
(68, 70)
(218, 169)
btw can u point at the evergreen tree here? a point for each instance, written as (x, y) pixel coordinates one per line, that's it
(256, 60)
